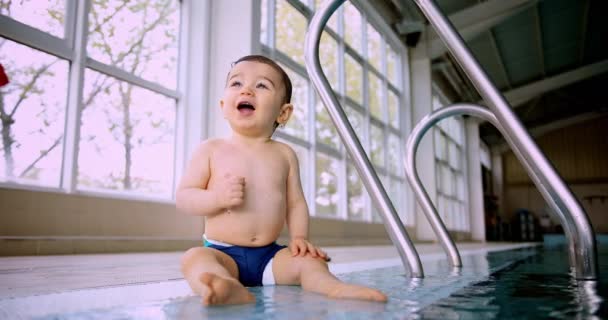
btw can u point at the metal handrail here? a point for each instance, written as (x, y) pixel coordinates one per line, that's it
(409, 162)
(422, 196)
(581, 237)
(392, 223)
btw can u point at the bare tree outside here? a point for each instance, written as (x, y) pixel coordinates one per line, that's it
(32, 104)
(124, 127)
(127, 132)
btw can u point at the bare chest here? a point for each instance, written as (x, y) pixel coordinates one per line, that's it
(263, 170)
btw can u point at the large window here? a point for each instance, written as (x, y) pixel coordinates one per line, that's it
(363, 67)
(449, 171)
(91, 102)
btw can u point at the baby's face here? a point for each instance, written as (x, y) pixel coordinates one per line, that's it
(253, 98)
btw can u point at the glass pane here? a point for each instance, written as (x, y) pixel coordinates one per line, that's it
(47, 16)
(454, 154)
(393, 109)
(459, 131)
(290, 31)
(443, 212)
(437, 104)
(141, 38)
(443, 146)
(374, 51)
(264, 22)
(33, 106)
(460, 187)
(356, 120)
(328, 54)
(356, 194)
(436, 137)
(376, 217)
(394, 191)
(450, 126)
(439, 152)
(445, 125)
(326, 131)
(127, 137)
(352, 27)
(392, 66)
(377, 145)
(375, 96)
(447, 177)
(448, 213)
(438, 179)
(354, 79)
(395, 160)
(333, 20)
(327, 185)
(298, 123)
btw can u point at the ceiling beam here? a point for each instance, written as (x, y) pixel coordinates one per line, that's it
(475, 20)
(519, 96)
(499, 59)
(539, 42)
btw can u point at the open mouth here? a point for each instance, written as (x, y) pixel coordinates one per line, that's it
(245, 106)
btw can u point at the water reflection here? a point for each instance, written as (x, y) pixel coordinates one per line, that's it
(511, 285)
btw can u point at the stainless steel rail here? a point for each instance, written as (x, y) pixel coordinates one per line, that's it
(392, 223)
(429, 209)
(409, 162)
(581, 237)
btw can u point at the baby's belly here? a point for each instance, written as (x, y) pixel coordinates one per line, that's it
(251, 229)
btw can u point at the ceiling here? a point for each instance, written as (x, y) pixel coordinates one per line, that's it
(549, 58)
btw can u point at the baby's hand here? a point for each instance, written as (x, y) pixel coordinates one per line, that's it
(230, 191)
(299, 247)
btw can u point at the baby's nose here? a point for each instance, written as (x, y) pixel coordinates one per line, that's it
(245, 90)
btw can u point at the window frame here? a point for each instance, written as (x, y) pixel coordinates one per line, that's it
(387, 38)
(72, 48)
(448, 200)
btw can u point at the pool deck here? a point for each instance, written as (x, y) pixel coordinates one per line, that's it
(50, 282)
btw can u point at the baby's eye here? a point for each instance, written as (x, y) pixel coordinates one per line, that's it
(261, 86)
(235, 83)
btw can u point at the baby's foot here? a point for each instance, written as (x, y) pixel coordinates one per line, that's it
(218, 290)
(351, 291)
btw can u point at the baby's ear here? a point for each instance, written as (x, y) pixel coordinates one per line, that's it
(222, 107)
(285, 113)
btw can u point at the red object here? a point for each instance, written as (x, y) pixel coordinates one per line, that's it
(3, 77)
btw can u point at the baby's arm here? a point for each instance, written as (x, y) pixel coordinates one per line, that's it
(297, 212)
(195, 198)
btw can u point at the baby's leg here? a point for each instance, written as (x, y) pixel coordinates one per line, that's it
(313, 275)
(213, 275)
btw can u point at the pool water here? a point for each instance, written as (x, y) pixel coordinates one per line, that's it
(541, 286)
(529, 283)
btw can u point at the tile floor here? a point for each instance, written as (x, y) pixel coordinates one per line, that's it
(76, 283)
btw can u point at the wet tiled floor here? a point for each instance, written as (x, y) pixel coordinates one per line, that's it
(171, 298)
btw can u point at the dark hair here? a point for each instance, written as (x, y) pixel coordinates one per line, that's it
(275, 66)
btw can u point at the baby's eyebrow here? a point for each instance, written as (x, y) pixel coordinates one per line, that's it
(268, 79)
(234, 75)
(240, 73)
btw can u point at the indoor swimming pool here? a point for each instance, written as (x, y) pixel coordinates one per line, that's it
(525, 283)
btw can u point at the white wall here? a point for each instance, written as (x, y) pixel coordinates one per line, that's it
(422, 104)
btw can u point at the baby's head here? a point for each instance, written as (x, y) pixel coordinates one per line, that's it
(282, 89)
(267, 61)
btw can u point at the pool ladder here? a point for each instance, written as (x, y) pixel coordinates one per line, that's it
(580, 235)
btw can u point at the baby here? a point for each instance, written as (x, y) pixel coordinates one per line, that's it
(248, 187)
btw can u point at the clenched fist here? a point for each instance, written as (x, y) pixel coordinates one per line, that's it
(230, 191)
